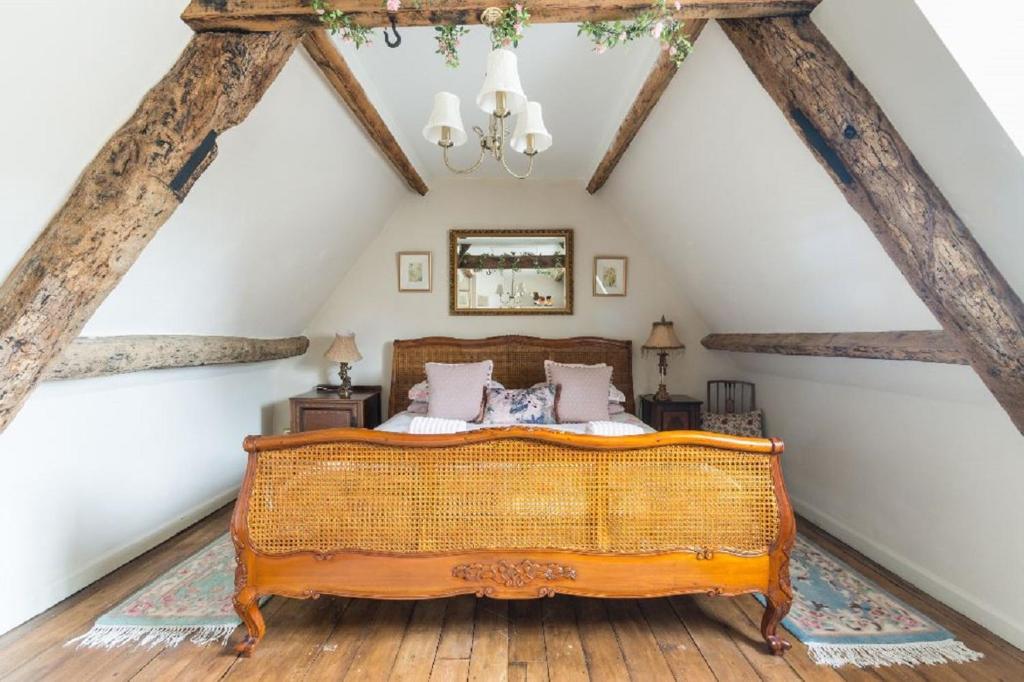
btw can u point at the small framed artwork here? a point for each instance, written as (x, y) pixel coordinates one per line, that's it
(610, 275)
(414, 273)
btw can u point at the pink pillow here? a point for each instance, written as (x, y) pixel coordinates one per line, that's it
(457, 391)
(614, 394)
(583, 392)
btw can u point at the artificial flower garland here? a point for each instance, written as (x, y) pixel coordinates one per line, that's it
(658, 22)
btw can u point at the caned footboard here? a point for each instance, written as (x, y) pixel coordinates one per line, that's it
(511, 514)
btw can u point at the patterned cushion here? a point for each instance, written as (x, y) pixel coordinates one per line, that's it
(457, 391)
(583, 392)
(520, 406)
(742, 424)
(614, 394)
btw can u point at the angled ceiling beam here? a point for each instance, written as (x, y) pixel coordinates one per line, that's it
(655, 85)
(274, 15)
(874, 168)
(922, 346)
(319, 46)
(124, 196)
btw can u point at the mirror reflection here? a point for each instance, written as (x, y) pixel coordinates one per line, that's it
(520, 272)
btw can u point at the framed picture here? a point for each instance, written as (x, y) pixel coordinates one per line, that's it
(414, 273)
(610, 275)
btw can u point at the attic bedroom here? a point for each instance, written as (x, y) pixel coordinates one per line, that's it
(549, 340)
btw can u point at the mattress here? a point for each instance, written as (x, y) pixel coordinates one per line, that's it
(400, 424)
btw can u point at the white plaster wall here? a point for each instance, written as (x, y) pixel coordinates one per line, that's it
(914, 464)
(99, 470)
(367, 301)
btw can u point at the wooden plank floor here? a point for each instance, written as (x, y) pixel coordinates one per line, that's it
(691, 638)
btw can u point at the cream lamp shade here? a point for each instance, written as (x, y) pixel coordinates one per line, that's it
(445, 115)
(343, 349)
(663, 337)
(530, 123)
(502, 77)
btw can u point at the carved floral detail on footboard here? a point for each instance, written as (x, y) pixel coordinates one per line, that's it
(517, 574)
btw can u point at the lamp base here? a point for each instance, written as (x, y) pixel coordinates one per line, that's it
(662, 395)
(345, 389)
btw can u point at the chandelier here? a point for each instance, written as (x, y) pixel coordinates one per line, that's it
(501, 96)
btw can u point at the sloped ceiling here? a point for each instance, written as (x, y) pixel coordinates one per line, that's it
(295, 194)
(763, 239)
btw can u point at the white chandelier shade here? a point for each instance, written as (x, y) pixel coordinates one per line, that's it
(502, 76)
(530, 123)
(445, 115)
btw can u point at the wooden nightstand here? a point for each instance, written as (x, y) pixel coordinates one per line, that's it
(317, 410)
(681, 413)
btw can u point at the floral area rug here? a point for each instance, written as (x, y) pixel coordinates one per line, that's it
(845, 619)
(842, 617)
(191, 601)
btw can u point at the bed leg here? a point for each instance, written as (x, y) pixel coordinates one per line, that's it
(247, 605)
(776, 608)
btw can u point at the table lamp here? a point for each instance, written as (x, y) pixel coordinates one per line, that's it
(343, 351)
(663, 340)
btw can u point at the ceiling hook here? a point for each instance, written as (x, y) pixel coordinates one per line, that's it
(394, 27)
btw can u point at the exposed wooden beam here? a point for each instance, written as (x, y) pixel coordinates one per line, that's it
(874, 168)
(319, 46)
(657, 80)
(922, 346)
(123, 197)
(274, 15)
(105, 355)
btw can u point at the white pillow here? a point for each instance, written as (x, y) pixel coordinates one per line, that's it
(614, 394)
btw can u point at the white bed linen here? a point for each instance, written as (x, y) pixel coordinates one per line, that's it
(401, 421)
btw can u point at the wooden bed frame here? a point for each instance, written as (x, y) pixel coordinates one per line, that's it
(359, 513)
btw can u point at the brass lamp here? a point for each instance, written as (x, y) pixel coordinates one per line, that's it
(663, 340)
(343, 351)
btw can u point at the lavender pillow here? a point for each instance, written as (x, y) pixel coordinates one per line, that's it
(535, 405)
(583, 392)
(457, 391)
(420, 393)
(614, 394)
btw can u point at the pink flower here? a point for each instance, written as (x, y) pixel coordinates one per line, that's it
(506, 42)
(679, 5)
(320, 10)
(600, 49)
(657, 29)
(393, 5)
(519, 8)
(672, 50)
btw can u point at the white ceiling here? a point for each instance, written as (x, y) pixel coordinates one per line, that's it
(584, 95)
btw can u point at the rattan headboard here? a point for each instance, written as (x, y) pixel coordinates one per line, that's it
(518, 360)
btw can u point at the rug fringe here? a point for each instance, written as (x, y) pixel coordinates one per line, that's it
(880, 655)
(149, 636)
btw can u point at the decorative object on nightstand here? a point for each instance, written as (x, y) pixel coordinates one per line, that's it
(663, 340)
(343, 351)
(678, 413)
(315, 410)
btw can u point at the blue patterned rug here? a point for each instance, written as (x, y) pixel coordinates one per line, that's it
(845, 619)
(842, 617)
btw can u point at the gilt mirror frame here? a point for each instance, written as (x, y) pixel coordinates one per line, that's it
(455, 235)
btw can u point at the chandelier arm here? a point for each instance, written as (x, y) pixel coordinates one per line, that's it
(515, 175)
(464, 171)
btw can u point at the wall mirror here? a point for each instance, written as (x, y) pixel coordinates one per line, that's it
(510, 272)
